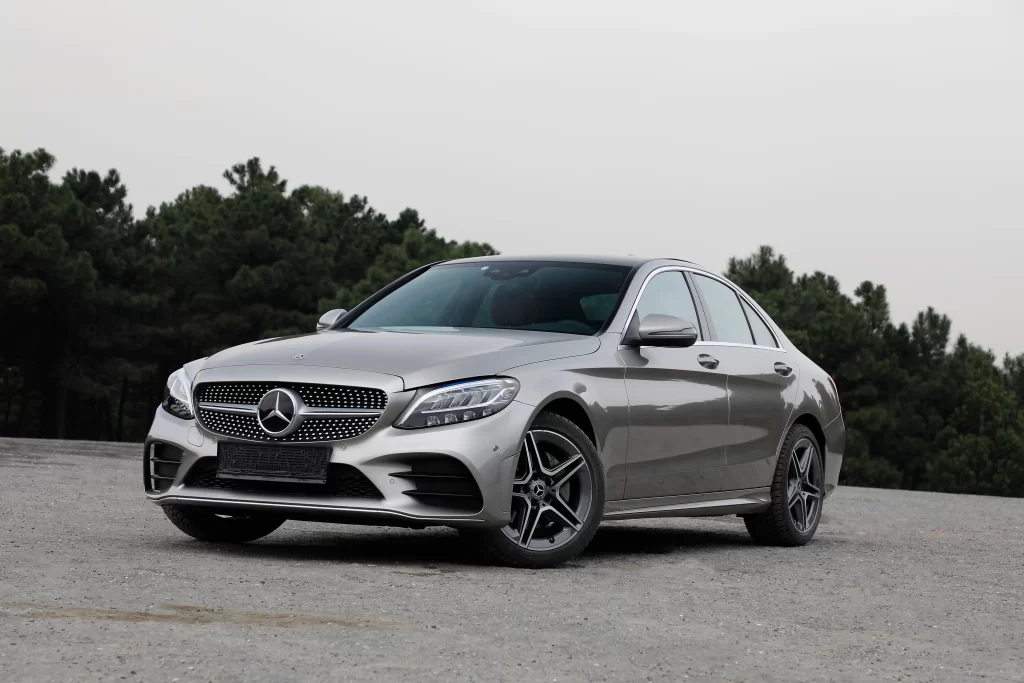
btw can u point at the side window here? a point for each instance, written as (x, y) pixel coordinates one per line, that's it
(762, 335)
(668, 294)
(727, 317)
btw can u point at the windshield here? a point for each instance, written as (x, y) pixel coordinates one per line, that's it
(575, 298)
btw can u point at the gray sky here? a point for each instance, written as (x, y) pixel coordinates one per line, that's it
(870, 140)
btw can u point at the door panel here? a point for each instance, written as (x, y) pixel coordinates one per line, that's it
(678, 422)
(761, 402)
(678, 405)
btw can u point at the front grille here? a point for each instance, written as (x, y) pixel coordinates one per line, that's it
(440, 480)
(247, 395)
(313, 395)
(343, 481)
(312, 429)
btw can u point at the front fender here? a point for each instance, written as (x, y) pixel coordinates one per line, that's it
(596, 383)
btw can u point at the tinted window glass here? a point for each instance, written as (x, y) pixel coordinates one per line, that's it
(724, 310)
(668, 294)
(762, 336)
(599, 306)
(575, 298)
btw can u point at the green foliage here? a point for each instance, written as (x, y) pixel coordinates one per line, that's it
(982, 445)
(69, 253)
(106, 306)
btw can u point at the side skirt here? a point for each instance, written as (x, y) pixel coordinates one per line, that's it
(696, 505)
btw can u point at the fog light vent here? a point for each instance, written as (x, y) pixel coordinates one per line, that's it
(441, 481)
(162, 461)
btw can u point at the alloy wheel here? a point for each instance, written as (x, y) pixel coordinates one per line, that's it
(803, 485)
(552, 493)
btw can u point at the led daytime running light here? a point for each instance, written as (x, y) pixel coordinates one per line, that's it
(461, 402)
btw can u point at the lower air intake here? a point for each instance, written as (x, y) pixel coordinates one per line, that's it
(343, 481)
(441, 481)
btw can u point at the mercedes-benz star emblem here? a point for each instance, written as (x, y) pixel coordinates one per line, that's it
(278, 412)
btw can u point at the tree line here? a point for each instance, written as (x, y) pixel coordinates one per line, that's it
(98, 306)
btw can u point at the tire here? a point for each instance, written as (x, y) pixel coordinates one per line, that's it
(781, 523)
(205, 525)
(549, 433)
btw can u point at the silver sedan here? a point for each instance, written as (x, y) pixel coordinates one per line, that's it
(519, 400)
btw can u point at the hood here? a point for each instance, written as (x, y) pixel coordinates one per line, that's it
(420, 358)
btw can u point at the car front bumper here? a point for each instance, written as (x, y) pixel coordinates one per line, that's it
(487, 447)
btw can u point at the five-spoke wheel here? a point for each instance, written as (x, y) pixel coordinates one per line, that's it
(803, 485)
(557, 497)
(797, 492)
(552, 493)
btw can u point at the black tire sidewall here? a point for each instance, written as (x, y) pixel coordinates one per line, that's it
(205, 524)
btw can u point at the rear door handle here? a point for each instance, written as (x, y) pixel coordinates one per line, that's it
(783, 369)
(708, 361)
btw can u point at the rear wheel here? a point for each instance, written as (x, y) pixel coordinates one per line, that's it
(557, 498)
(797, 493)
(219, 527)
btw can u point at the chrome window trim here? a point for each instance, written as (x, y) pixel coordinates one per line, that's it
(745, 346)
(643, 288)
(743, 297)
(701, 342)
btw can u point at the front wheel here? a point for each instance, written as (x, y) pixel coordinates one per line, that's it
(557, 498)
(216, 527)
(797, 493)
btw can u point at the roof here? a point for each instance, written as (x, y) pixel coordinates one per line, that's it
(630, 261)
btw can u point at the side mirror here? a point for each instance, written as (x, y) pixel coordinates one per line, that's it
(664, 330)
(328, 319)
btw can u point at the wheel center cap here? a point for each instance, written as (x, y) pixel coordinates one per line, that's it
(538, 489)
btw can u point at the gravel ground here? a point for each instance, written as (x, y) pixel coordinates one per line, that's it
(96, 585)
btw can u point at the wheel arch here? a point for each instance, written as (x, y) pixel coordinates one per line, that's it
(571, 408)
(811, 422)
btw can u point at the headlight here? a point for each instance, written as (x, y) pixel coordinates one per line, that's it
(462, 402)
(178, 402)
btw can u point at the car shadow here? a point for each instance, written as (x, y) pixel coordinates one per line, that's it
(371, 545)
(629, 539)
(439, 547)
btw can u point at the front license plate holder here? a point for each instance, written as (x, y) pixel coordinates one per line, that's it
(273, 462)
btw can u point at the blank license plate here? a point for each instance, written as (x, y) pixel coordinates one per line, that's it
(270, 462)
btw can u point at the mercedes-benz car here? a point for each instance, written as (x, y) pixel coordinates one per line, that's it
(519, 400)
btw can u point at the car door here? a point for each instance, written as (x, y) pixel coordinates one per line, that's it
(762, 382)
(678, 405)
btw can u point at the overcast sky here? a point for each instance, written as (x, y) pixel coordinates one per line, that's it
(870, 140)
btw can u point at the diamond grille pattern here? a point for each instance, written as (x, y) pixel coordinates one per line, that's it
(312, 429)
(313, 395)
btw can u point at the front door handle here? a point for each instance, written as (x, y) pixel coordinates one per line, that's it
(708, 361)
(783, 369)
